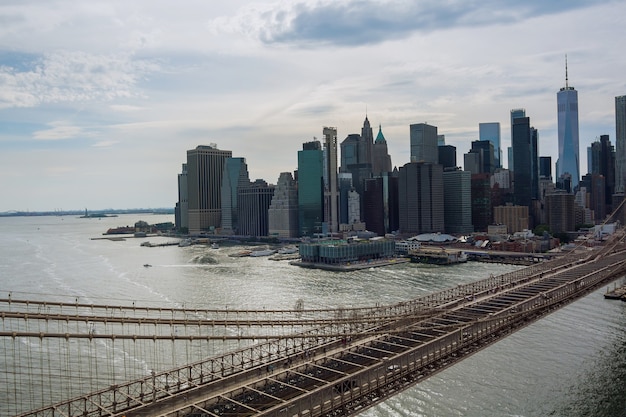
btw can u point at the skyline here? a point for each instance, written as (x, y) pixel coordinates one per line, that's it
(100, 101)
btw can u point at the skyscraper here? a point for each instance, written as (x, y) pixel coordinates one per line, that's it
(353, 160)
(620, 144)
(182, 207)
(447, 156)
(457, 200)
(373, 206)
(534, 163)
(363, 157)
(367, 138)
(235, 177)
(253, 206)
(567, 105)
(594, 185)
(481, 205)
(205, 167)
(380, 203)
(485, 156)
(491, 132)
(420, 195)
(515, 113)
(345, 186)
(471, 162)
(331, 192)
(522, 179)
(381, 161)
(350, 151)
(545, 167)
(603, 163)
(283, 211)
(310, 188)
(424, 146)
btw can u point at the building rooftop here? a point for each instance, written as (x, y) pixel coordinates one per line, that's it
(380, 138)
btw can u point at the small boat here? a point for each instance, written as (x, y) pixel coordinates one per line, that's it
(241, 254)
(285, 257)
(287, 250)
(264, 252)
(147, 265)
(214, 245)
(184, 243)
(125, 230)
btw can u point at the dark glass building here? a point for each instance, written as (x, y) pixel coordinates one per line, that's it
(447, 156)
(420, 196)
(373, 206)
(457, 201)
(235, 177)
(603, 163)
(253, 205)
(522, 175)
(481, 201)
(545, 167)
(310, 188)
(380, 204)
(596, 189)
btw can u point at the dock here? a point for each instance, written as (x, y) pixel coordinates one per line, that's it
(350, 266)
(508, 257)
(617, 293)
(437, 256)
(158, 245)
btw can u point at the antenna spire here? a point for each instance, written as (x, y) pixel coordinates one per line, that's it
(566, 79)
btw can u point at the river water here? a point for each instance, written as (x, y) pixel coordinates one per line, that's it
(570, 363)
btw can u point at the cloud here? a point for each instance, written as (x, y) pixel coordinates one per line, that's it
(70, 77)
(59, 131)
(360, 22)
(59, 170)
(105, 143)
(125, 108)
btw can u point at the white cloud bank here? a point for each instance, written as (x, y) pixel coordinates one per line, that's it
(88, 84)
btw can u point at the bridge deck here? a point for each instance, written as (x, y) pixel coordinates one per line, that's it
(329, 361)
(352, 371)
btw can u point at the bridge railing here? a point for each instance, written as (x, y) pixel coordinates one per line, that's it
(381, 379)
(161, 385)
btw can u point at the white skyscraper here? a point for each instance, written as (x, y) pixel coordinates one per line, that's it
(331, 191)
(620, 144)
(567, 104)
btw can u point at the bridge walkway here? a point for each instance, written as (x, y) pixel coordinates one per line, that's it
(325, 361)
(359, 368)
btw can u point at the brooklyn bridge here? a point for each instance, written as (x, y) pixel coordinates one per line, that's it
(133, 360)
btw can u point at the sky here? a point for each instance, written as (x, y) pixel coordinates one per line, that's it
(100, 100)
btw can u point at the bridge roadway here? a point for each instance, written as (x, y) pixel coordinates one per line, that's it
(345, 367)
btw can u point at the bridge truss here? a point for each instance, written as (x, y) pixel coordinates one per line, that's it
(140, 360)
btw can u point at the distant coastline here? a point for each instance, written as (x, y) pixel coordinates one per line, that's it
(95, 214)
